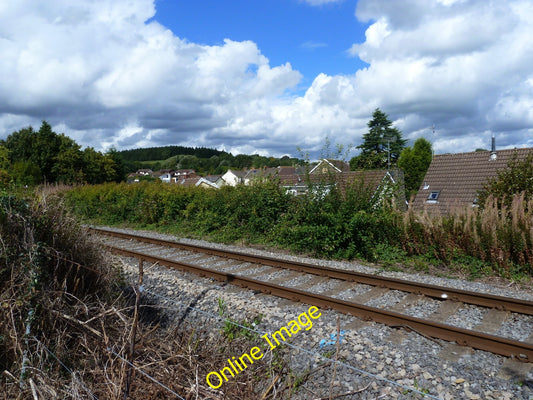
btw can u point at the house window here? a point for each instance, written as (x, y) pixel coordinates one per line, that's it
(433, 196)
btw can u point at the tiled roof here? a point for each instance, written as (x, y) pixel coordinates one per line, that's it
(190, 181)
(459, 177)
(330, 165)
(369, 179)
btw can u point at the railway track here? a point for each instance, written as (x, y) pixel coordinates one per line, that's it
(358, 294)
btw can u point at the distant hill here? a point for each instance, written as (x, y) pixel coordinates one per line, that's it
(203, 160)
(162, 153)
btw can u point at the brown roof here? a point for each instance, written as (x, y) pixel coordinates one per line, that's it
(369, 179)
(330, 166)
(459, 177)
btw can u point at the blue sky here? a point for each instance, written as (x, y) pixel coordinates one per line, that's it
(313, 39)
(268, 77)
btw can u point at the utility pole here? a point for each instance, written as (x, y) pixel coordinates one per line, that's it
(388, 139)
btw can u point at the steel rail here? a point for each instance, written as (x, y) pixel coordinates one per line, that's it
(495, 344)
(434, 291)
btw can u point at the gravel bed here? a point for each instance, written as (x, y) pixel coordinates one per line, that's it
(275, 275)
(298, 281)
(517, 327)
(467, 317)
(389, 299)
(373, 366)
(353, 292)
(251, 270)
(324, 286)
(209, 261)
(218, 265)
(235, 267)
(423, 308)
(512, 291)
(369, 354)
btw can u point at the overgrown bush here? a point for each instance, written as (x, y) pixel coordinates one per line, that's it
(326, 222)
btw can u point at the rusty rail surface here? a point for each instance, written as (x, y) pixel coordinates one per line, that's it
(434, 291)
(494, 344)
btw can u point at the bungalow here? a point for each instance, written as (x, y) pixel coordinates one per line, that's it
(165, 175)
(233, 178)
(145, 172)
(454, 180)
(216, 179)
(325, 166)
(198, 182)
(184, 174)
(380, 183)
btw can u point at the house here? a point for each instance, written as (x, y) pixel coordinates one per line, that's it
(325, 166)
(216, 179)
(233, 178)
(198, 182)
(184, 174)
(145, 172)
(380, 183)
(165, 175)
(454, 180)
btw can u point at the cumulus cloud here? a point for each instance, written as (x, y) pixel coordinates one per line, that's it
(461, 65)
(108, 74)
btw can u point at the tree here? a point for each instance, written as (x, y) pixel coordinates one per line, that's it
(68, 163)
(120, 167)
(46, 147)
(382, 144)
(20, 144)
(510, 181)
(98, 168)
(415, 162)
(5, 178)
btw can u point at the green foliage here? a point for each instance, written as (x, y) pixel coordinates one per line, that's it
(45, 156)
(415, 163)
(326, 223)
(517, 178)
(375, 147)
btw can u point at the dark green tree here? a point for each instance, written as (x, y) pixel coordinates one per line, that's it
(415, 163)
(20, 144)
(46, 146)
(380, 142)
(68, 165)
(120, 167)
(26, 173)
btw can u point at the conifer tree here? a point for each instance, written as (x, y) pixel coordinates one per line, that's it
(382, 144)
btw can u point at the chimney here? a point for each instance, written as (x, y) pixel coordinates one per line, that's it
(493, 155)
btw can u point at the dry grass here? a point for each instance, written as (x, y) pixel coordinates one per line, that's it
(66, 322)
(497, 234)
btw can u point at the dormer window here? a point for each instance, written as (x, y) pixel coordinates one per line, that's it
(433, 196)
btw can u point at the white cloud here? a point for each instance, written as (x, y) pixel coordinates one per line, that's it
(104, 75)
